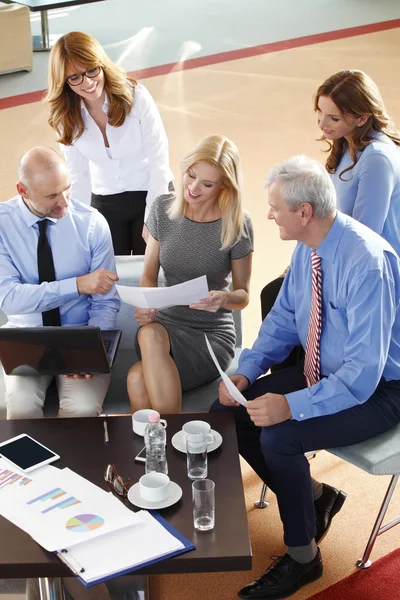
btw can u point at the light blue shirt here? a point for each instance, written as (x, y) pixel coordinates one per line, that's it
(370, 192)
(360, 337)
(80, 243)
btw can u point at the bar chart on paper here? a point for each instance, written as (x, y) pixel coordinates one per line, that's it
(54, 495)
(10, 477)
(84, 523)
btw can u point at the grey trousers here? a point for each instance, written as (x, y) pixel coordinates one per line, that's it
(25, 396)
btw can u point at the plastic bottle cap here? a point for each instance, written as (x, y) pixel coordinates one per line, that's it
(154, 417)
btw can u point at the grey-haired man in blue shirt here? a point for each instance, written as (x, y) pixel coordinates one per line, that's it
(347, 390)
(84, 292)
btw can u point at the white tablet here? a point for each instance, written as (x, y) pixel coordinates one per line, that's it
(25, 453)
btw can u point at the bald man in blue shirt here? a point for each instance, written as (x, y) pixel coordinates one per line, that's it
(83, 292)
(345, 314)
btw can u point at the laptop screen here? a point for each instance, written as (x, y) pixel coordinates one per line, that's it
(57, 350)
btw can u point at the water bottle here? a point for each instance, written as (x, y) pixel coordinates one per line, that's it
(155, 438)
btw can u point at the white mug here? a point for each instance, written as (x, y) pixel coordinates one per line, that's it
(200, 428)
(154, 486)
(140, 418)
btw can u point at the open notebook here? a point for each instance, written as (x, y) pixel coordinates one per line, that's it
(152, 539)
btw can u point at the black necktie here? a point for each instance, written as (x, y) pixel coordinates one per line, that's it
(46, 271)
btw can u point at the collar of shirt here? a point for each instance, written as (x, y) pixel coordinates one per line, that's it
(105, 106)
(328, 247)
(29, 217)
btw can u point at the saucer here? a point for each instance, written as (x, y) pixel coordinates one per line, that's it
(174, 494)
(178, 441)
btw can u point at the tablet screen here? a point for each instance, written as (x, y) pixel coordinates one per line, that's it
(26, 453)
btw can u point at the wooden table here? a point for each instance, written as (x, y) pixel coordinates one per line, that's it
(42, 43)
(80, 444)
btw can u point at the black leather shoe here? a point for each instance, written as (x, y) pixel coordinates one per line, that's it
(283, 578)
(326, 507)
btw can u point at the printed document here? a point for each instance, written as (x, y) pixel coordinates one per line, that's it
(231, 387)
(181, 294)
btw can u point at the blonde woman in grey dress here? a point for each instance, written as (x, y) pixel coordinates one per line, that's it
(203, 230)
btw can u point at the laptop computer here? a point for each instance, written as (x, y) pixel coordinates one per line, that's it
(58, 350)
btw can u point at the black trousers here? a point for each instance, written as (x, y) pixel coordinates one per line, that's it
(268, 296)
(125, 215)
(276, 453)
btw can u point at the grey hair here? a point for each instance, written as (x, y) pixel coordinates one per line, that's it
(304, 180)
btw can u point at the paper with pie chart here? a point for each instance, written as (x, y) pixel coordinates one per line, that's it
(231, 387)
(63, 510)
(85, 523)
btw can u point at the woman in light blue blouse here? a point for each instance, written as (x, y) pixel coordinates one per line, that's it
(364, 157)
(364, 162)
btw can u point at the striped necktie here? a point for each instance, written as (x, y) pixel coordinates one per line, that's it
(312, 361)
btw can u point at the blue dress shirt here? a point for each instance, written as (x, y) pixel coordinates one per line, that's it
(80, 243)
(370, 192)
(360, 338)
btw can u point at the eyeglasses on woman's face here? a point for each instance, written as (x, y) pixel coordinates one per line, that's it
(77, 78)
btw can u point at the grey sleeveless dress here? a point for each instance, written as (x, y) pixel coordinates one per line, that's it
(189, 249)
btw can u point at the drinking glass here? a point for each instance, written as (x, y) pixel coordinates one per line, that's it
(203, 491)
(196, 452)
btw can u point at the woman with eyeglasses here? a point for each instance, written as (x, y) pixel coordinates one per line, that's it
(112, 136)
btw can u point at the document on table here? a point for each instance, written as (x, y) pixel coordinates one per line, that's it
(149, 540)
(89, 529)
(63, 509)
(231, 387)
(180, 294)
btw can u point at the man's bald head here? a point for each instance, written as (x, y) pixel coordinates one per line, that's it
(44, 182)
(37, 163)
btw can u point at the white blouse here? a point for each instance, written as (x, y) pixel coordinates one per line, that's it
(137, 158)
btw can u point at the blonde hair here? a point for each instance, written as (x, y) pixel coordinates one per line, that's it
(218, 151)
(83, 50)
(356, 94)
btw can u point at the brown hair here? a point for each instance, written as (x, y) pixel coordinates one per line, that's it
(77, 48)
(354, 93)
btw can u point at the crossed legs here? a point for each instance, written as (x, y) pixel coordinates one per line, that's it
(154, 381)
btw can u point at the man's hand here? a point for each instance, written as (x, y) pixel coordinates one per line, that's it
(269, 409)
(212, 303)
(144, 316)
(98, 282)
(240, 381)
(78, 376)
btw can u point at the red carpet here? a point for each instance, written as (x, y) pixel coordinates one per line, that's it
(380, 582)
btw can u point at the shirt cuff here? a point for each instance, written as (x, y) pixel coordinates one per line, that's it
(300, 404)
(69, 287)
(250, 371)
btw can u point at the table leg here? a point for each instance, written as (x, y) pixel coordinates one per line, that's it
(144, 593)
(129, 586)
(51, 588)
(42, 43)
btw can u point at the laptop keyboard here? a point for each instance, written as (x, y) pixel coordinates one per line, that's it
(106, 344)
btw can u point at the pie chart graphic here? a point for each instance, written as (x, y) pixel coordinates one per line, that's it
(84, 523)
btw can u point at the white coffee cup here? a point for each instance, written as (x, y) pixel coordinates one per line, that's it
(154, 486)
(140, 418)
(200, 428)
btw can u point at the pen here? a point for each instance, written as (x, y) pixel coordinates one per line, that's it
(106, 438)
